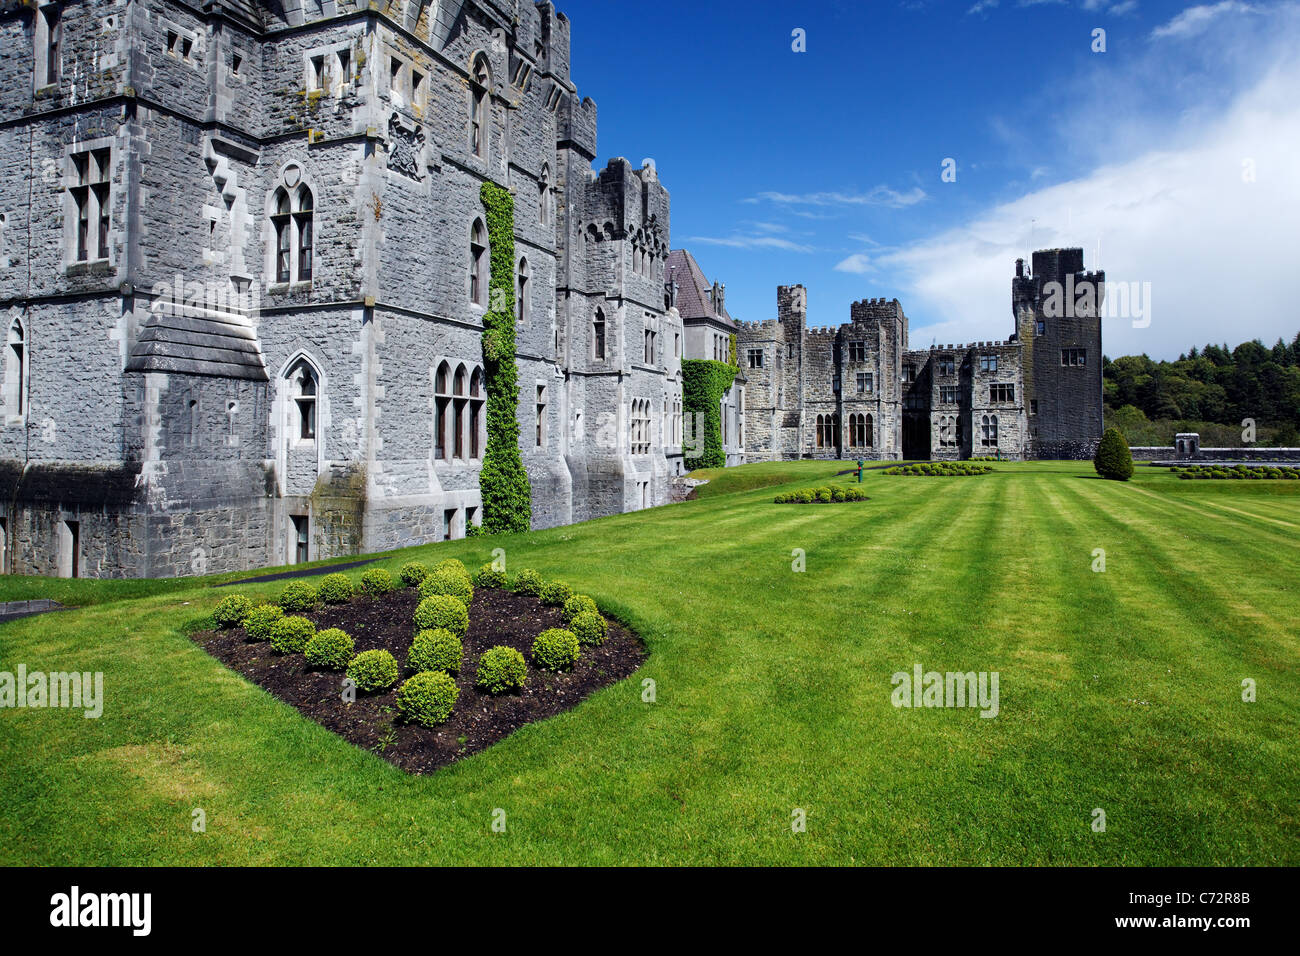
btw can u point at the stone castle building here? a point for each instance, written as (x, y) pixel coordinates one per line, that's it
(244, 265)
(857, 390)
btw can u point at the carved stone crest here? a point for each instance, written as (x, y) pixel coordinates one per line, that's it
(405, 145)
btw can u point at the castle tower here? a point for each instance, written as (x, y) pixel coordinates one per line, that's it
(1057, 311)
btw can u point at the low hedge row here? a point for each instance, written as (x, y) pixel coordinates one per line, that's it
(1240, 472)
(940, 469)
(827, 494)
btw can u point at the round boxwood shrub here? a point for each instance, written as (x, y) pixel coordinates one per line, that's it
(412, 574)
(555, 649)
(501, 669)
(330, 649)
(435, 650)
(575, 606)
(452, 564)
(527, 581)
(1114, 460)
(448, 581)
(231, 611)
(555, 593)
(442, 610)
(589, 628)
(260, 620)
(489, 577)
(376, 581)
(290, 635)
(298, 596)
(427, 698)
(335, 589)
(373, 671)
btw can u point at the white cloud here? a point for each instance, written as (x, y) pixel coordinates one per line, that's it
(1219, 251)
(879, 196)
(858, 264)
(1193, 20)
(981, 6)
(748, 242)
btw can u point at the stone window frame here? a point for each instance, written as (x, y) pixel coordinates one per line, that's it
(544, 217)
(865, 382)
(459, 417)
(948, 431)
(858, 350)
(828, 431)
(478, 277)
(989, 431)
(299, 398)
(542, 403)
(946, 365)
(47, 46)
(292, 179)
(754, 357)
(988, 362)
(478, 104)
(286, 440)
(641, 427)
(96, 200)
(182, 44)
(599, 336)
(949, 395)
(17, 371)
(335, 79)
(1002, 393)
(1074, 358)
(523, 291)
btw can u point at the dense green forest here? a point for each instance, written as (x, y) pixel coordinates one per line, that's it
(1210, 390)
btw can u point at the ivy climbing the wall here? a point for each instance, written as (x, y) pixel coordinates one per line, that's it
(704, 382)
(503, 482)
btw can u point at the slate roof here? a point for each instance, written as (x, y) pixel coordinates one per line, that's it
(693, 299)
(198, 341)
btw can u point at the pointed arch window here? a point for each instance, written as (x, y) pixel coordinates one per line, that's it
(544, 196)
(478, 263)
(294, 224)
(480, 89)
(989, 431)
(477, 428)
(441, 410)
(459, 407)
(15, 385)
(304, 390)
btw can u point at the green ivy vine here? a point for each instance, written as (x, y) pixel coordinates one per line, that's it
(704, 382)
(503, 482)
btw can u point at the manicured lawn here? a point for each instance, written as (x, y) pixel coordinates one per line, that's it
(1118, 690)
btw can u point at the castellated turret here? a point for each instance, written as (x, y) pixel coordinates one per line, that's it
(1057, 309)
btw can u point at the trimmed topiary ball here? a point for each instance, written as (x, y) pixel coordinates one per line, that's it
(435, 650)
(555, 649)
(575, 606)
(489, 577)
(527, 581)
(335, 589)
(331, 649)
(452, 564)
(427, 699)
(373, 671)
(231, 611)
(448, 581)
(501, 669)
(376, 581)
(412, 574)
(555, 593)
(297, 596)
(1114, 460)
(290, 635)
(260, 621)
(442, 610)
(589, 628)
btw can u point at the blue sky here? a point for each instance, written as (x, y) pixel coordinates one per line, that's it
(1173, 156)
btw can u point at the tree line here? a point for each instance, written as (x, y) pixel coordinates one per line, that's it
(1214, 384)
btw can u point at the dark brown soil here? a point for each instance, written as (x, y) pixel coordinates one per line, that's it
(479, 720)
